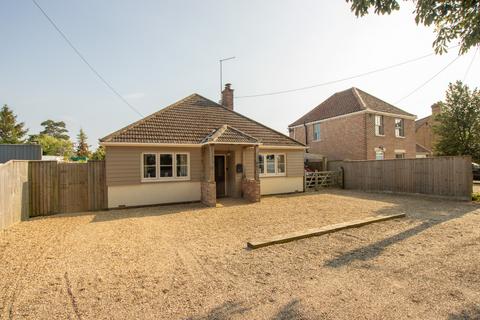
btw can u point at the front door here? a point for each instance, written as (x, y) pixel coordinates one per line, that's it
(220, 175)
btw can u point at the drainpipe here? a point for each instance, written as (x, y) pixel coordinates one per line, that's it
(306, 133)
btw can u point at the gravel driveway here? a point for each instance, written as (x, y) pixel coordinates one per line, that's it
(190, 262)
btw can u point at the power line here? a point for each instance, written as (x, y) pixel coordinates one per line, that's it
(339, 80)
(85, 60)
(470, 65)
(430, 79)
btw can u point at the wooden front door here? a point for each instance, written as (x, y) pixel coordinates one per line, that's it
(220, 178)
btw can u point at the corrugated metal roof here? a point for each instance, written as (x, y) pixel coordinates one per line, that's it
(20, 152)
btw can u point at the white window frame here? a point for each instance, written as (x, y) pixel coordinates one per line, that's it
(157, 166)
(377, 126)
(319, 136)
(263, 172)
(143, 166)
(397, 128)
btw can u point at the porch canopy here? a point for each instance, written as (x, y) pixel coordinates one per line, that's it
(230, 160)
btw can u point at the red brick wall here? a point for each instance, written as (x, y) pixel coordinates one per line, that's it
(298, 134)
(341, 138)
(389, 141)
(353, 137)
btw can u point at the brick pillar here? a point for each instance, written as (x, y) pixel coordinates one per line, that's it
(251, 190)
(208, 185)
(251, 187)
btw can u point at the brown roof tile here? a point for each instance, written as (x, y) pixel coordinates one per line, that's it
(421, 122)
(345, 102)
(192, 120)
(228, 134)
(421, 149)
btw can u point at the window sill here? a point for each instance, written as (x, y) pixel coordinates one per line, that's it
(400, 137)
(273, 175)
(316, 140)
(379, 135)
(143, 180)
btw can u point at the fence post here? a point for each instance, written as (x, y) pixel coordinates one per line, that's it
(340, 177)
(316, 180)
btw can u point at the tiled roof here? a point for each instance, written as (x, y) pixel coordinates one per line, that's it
(421, 122)
(348, 101)
(192, 120)
(227, 134)
(421, 149)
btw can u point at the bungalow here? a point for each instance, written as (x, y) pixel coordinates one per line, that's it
(199, 150)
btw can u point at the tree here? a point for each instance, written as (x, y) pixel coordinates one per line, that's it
(458, 124)
(52, 146)
(82, 145)
(11, 131)
(99, 154)
(453, 19)
(55, 129)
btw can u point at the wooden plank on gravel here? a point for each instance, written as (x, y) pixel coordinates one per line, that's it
(320, 231)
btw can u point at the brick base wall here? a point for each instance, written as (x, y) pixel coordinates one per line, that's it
(209, 193)
(251, 190)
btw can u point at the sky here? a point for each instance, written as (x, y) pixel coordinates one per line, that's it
(157, 52)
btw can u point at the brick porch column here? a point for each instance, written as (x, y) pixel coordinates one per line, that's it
(208, 185)
(251, 187)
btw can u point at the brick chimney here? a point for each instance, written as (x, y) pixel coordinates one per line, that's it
(436, 109)
(227, 97)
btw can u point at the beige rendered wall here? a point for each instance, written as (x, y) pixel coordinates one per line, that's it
(295, 160)
(124, 164)
(292, 182)
(149, 193)
(278, 185)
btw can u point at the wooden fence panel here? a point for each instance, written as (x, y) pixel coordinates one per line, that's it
(97, 187)
(73, 187)
(14, 206)
(442, 176)
(43, 177)
(66, 187)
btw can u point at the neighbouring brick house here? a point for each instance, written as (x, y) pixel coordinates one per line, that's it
(355, 125)
(424, 134)
(198, 150)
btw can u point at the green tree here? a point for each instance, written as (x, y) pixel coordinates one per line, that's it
(52, 146)
(55, 129)
(458, 124)
(452, 19)
(99, 154)
(82, 145)
(11, 131)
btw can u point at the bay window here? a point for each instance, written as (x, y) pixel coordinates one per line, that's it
(165, 166)
(272, 164)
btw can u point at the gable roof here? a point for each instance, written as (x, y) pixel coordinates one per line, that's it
(346, 102)
(421, 122)
(196, 120)
(228, 134)
(422, 149)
